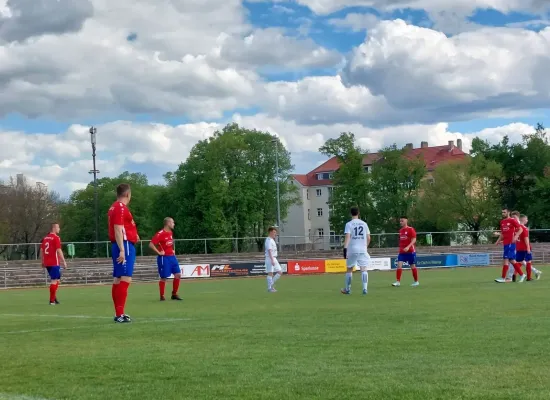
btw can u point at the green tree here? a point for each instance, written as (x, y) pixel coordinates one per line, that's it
(227, 189)
(395, 183)
(351, 186)
(462, 196)
(78, 213)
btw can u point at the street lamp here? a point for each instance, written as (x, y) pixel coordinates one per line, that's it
(277, 176)
(93, 132)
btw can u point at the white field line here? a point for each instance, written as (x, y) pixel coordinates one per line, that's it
(6, 396)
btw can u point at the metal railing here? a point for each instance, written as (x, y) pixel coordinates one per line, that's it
(288, 244)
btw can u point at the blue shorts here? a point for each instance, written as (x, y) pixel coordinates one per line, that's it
(522, 256)
(168, 265)
(126, 269)
(409, 258)
(54, 272)
(509, 252)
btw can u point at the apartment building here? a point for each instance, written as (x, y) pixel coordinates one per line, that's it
(308, 222)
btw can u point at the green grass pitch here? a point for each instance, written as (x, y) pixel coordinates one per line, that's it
(457, 336)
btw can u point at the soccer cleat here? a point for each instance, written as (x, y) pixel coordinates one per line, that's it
(538, 274)
(126, 318)
(52, 303)
(415, 284)
(56, 301)
(522, 278)
(176, 297)
(500, 280)
(396, 284)
(120, 319)
(345, 291)
(162, 298)
(514, 278)
(364, 291)
(272, 290)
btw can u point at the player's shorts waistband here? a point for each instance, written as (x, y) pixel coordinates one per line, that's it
(125, 241)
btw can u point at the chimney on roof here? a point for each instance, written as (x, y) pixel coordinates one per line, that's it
(409, 146)
(459, 143)
(423, 145)
(451, 145)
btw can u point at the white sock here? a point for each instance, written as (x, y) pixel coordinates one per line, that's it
(536, 271)
(511, 271)
(269, 282)
(275, 278)
(349, 276)
(365, 278)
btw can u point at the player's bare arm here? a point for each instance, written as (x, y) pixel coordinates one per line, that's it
(413, 242)
(517, 235)
(155, 249)
(119, 237)
(499, 239)
(62, 258)
(368, 240)
(528, 244)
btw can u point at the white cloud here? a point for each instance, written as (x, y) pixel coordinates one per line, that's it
(355, 21)
(63, 160)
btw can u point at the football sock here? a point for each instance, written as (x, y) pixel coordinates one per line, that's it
(269, 282)
(176, 286)
(415, 274)
(349, 276)
(53, 288)
(365, 279)
(398, 273)
(504, 271)
(529, 268)
(536, 271)
(517, 268)
(275, 279)
(122, 295)
(162, 286)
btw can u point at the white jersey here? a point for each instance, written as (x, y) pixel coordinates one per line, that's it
(270, 245)
(358, 231)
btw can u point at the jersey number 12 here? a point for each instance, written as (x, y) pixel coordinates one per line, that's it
(358, 230)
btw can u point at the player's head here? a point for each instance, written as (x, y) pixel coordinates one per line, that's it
(54, 228)
(272, 232)
(523, 219)
(169, 223)
(515, 215)
(403, 221)
(505, 212)
(123, 193)
(354, 211)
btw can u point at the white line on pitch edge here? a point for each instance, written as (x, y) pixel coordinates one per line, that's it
(91, 317)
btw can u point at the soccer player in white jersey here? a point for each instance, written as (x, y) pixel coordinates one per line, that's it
(355, 250)
(272, 266)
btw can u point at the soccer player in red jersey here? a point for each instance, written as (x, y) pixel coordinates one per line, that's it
(123, 235)
(52, 258)
(510, 230)
(524, 250)
(407, 252)
(163, 244)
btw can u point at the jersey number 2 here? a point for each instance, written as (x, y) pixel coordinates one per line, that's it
(47, 248)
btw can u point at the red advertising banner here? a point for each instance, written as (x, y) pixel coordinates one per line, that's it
(306, 267)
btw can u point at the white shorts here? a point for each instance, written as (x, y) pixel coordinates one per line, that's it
(359, 260)
(270, 268)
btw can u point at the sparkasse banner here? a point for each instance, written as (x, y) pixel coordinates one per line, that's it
(306, 267)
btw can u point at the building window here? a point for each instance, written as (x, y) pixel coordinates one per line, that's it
(319, 192)
(324, 175)
(319, 212)
(332, 237)
(307, 194)
(320, 232)
(308, 214)
(367, 168)
(309, 233)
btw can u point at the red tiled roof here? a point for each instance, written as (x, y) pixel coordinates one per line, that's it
(433, 156)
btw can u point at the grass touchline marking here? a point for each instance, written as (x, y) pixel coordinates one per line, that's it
(91, 317)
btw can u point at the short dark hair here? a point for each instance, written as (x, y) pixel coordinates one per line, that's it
(166, 220)
(354, 211)
(271, 229)
(122, 189)
(403, 217)
(515, 213)
(504, 208)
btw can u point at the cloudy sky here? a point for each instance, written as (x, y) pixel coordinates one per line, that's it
(156, 76)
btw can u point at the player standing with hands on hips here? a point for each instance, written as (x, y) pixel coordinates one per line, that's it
(272, 266)
(51, 254)
(407, 252)
(356, 250)
(123, 236)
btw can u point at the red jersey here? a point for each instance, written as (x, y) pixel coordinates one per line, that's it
(49, 246)
(508, 228)
(521, 246)
(165, 241)
(119, 214)
(406, 235)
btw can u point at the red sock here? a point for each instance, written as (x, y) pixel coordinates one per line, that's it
(529, 270)
(162, 285)
(504, 271)
(517, 268)
(176, 286)
(415, 274)
(399, 272)
(53, 289)
(122, 295)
